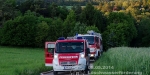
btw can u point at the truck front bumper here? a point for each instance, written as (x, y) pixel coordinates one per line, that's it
(79, 67)
(69, 68)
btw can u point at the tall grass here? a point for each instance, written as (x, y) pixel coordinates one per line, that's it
(22, 61)
(123, 61)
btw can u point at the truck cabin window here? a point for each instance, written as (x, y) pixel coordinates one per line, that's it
(51, 48)
(69, 47)
(90, 39)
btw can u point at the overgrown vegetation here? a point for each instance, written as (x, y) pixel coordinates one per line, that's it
(22, 61)
(123, 59)
(120, 30)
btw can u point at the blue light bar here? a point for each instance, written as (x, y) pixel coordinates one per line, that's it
(79, 38)
(61, 38)
(76, 34)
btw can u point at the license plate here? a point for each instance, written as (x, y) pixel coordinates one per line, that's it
(68, 67)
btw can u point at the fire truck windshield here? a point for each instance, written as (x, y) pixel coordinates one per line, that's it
(90, 39)
(69, 47)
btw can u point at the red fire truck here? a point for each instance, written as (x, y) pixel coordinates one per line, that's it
(68, 55)
(95, 43)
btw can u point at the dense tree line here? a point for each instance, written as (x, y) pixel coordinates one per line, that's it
(67, 2)
(139, 9)
(32, 23)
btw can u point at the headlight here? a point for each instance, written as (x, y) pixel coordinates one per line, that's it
(82, 55)
(92, 55)
(55, 56)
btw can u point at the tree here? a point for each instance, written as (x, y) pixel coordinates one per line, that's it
(23, 7)
(87, 15)
(94, 28)
(144, 3)
(7, 10)
(142, 39)
(90, 16)
(120, 31)
(106, 8)
(56, 29)
(125, 4)
(63, 12)
(99, 21)
(41, 34)
(78, 10)
(20, 31)
(53, 10)
(78, 28)
(69, 23)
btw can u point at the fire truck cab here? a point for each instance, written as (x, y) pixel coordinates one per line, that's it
(68, 55)
(95, 43)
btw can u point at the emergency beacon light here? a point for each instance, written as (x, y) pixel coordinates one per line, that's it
(79, 38)
(61, 38)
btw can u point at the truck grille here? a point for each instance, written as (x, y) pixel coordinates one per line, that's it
(68, 63)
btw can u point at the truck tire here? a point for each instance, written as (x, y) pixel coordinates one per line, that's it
(100, 53)
(86, 70)
(55, 72)
(87, 67)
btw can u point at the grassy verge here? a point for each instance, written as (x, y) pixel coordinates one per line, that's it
(22, 61)
(123, 61)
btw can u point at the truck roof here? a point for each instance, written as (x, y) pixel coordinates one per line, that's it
(86, 35)
(91, 35)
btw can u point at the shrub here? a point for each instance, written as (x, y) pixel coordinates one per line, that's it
(120, 31)
(143, 33)
(20, 31)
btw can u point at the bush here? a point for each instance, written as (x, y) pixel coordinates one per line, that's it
(41, 33)
(120, 31)
(143, 33)
(20, 31)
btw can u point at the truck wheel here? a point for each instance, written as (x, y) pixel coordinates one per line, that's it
(86, 70)
(55, 72)
(99, 53)
(96, 58)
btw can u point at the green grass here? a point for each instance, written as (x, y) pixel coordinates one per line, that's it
(22, 61)
(123, 59)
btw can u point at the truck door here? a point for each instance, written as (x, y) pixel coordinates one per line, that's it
(49, 51)
(97, 42)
